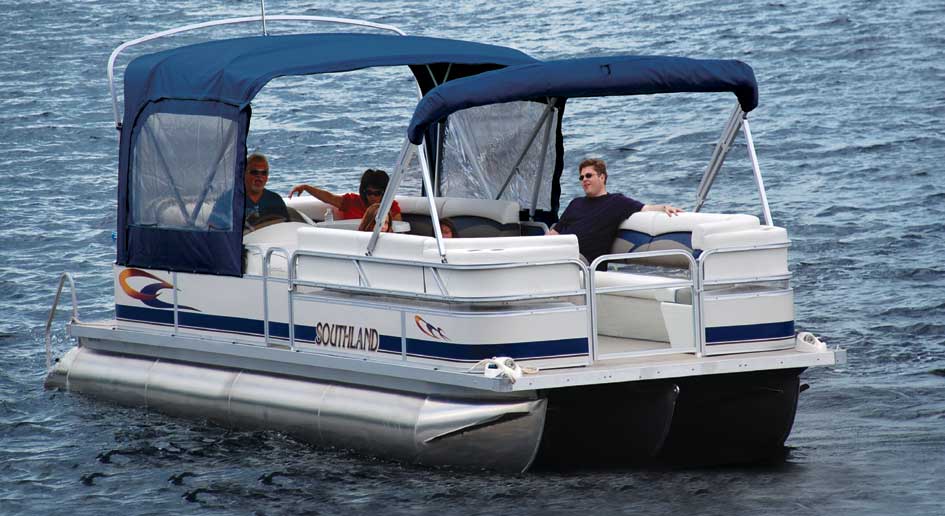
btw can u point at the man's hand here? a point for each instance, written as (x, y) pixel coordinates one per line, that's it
(297, 190)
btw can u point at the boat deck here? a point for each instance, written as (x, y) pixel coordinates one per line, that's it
(452, 379)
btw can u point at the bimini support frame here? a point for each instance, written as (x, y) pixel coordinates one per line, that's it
(737, 120)
(426, 173)
(528, 145)
(757, 170)
(388, 199)
(263, 18)
(536, 188)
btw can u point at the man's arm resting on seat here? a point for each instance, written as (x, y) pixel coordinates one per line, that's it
(665, 208)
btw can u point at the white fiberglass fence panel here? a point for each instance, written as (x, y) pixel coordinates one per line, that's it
(184, 170)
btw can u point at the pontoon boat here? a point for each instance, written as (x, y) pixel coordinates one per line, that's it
(500, 349)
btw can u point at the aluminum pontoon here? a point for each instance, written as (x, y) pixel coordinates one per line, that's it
(500, 349)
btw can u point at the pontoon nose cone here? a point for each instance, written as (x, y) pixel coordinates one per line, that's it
(503, 435)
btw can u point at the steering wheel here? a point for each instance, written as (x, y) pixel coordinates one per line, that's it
(254, 222)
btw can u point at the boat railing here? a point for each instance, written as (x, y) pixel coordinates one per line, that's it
(434, 268)
(738, 280)
(63, 278)
(696, 282)
(704, 257)
(693, 283)
(267, 258)
(262, 20)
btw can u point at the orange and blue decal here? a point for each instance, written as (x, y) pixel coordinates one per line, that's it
(148, 294)
(428, 329)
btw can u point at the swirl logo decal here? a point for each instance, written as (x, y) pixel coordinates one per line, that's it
(149, 293)
(428, 329)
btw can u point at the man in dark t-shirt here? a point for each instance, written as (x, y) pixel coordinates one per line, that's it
(260, 206)
(596, 217)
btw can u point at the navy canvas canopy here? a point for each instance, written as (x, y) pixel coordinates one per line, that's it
(587, 77)
(234, 70)
(217, 81)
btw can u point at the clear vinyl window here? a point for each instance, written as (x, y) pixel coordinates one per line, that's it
(183, 172)
(504, 151)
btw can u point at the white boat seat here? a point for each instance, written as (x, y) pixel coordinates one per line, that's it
(473, 218)
(656, 231)
(169, 215)
(697, 233)
(514, 281)
(284, 235)
(604, 279)
(311, 207)
(460, 251)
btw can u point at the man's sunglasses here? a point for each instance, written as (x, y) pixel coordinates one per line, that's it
(582, 177)
(256, 172)
(375, 193)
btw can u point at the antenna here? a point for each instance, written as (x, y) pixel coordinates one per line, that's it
(262, 16)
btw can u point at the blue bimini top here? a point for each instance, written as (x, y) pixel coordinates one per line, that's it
(217, 80)
(233, 71)
(587, 77)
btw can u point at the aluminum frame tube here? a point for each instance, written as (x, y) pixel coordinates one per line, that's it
(176, 311)
(541, 165)
(428, 187)
(266, 265)
(63, 278)
(531, 140)
(721, 150)
(229, 21)
(757, 171)
(388, 200)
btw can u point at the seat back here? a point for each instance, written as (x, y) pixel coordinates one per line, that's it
(701, 232)
(525, 280)
(473, 218)
(406, 278)
(508, 281)
(311, 207)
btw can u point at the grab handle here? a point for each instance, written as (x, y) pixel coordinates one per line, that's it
(52, 313)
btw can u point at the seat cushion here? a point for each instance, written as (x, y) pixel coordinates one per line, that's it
(604, 279)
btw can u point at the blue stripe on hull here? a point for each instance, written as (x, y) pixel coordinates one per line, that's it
(434, 349)
(748, 332)
(388, 343)
(476, 352)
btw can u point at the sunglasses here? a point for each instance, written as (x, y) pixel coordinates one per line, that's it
(256, 172)
(582, 177)
(375, 193)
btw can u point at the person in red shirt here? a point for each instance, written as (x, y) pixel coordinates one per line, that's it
(352, 205)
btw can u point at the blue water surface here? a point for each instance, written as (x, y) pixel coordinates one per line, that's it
(850, 133)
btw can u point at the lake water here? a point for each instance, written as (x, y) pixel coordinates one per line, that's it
(851, 138)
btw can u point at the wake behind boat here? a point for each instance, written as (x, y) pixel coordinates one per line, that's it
(499, 349)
